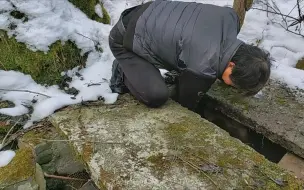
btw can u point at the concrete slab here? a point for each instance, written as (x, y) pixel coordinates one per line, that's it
(276, 113)
(129, 146)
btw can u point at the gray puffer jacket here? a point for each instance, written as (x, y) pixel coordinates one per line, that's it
(196, 39)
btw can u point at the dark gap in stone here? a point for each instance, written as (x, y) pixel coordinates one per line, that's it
(272, 151)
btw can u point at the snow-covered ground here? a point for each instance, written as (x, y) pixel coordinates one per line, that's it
(53, 20)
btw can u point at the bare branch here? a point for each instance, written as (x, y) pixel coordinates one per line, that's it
(10, 90)
(3, 141)
(63, 177)
(19, 134)
(274, 13)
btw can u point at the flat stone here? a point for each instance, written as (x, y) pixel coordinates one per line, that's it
(129, 146)
(276, 113)
(293, 164)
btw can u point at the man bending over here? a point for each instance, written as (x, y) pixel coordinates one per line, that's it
(198, 41)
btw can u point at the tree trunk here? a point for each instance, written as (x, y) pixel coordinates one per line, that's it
(241, 6)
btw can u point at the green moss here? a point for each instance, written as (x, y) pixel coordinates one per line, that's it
(106, 19)
(160, 164)
(36, 136)
(87, 152)
(300, 64)
(88, 7)
(233, 95)
(281, 101)
(20, 168)
(44, 68)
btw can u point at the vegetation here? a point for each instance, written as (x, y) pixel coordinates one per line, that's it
(88, 7)
(300, 64)
(43, 68)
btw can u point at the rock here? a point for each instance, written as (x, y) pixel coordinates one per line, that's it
(275, 116)
(130, 146)
(66, 162)
(39, 176)
(55, 156)
(22, 172)
(294, 164)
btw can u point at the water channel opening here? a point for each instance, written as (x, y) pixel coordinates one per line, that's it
(272, 151)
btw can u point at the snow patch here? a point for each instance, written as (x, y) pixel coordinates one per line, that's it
(6, 157)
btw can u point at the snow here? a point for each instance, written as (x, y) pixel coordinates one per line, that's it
(98, 10)
(53, 20)
(6, 157)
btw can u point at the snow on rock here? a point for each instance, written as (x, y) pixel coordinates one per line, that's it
(6, 157)
(59, 20)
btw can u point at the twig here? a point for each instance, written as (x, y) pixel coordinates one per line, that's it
(95, 84)
(198, 169)
(3, 141)
(274, 13)
(86, 37)
(18, 134)
(63, 177)
(1, 89)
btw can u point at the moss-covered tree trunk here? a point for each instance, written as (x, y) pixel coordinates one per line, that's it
(241, 6)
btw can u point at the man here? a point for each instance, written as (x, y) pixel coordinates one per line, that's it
(198, 41)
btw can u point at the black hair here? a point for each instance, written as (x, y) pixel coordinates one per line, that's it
(252, 68)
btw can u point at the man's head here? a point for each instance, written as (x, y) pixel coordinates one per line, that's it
(249, 69)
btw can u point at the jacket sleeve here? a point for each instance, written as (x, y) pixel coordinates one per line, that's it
(191, 87)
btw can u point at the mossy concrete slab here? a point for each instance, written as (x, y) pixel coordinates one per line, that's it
(276, 113)
(129, 146)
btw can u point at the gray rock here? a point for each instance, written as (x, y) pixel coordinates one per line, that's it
(66, 162)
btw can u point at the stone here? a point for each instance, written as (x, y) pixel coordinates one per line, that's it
(66, 162)
(53, 153)
(127, 145)
(274, 113)
(22, 172)
(294, 164)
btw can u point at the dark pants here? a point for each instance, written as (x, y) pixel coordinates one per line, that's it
(142, 78)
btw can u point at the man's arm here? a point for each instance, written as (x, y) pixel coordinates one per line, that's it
(191, 87)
